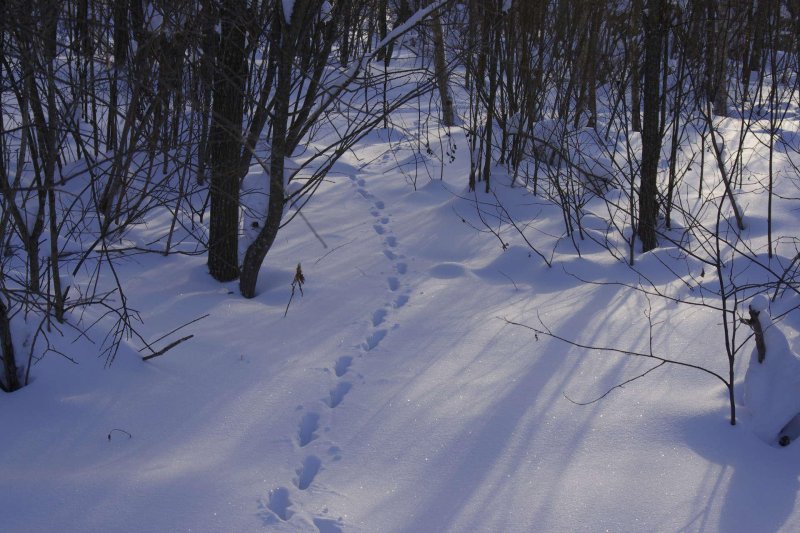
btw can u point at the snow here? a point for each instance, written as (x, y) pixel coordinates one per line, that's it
(393, 395)
(759, 304)
(154, 17)
(288, 8)
(335, 86)
(325, 11)
(772, 386)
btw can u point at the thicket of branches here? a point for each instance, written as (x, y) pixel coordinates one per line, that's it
(670, 112)
(113, 110)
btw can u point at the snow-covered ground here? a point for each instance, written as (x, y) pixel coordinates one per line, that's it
(394, 396)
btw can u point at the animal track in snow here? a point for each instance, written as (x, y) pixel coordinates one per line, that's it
(338, 393)
(401, 301)
(307, 429)
(380, 205)
(361, 182)
(374, 340)
(380, 230)
(308, 471)
(375, 213)
(390, 255)
(394, 284)
(363, 193)
(402, 268)
(384, 220)
(335, 452)
(343, 364)
(279, 503)
(378, 316)
(391, 241)
(326, 525)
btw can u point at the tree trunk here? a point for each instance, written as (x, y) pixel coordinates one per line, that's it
(225, 142)
(651, 138)
(121, 9)
(257, 251)
(10, 383)
(440, 64)
(636, 89)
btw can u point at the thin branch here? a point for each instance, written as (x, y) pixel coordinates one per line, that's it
(148, 346)
(619, 386)
(121, 431)
(166, 348)
(333, 250)
(545, 331)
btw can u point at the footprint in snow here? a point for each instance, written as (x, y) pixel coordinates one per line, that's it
(379, 204)
(384, 220)
(394, 284)
(307, 429)
(378, 316)
(402, 268)
(335, 452)
(361, 182)
(391, 241)
(343, 364)
(401, 301)
(308, 471)
(338, 393)
(279, 503)
(380, 230)
(374, 340)
(326, 525)
(390, 255)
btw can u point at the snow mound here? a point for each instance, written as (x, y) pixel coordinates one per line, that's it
(759, 303)
(771, 386)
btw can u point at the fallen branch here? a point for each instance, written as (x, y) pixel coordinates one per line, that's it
(166, 348)
(165, 335)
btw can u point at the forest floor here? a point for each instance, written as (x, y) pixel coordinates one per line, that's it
(394, 396)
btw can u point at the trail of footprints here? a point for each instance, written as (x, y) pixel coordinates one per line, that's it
(308, 427)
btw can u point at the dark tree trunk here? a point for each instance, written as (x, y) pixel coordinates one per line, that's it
(651, 135)
(257, 251)
(121, 9)
(225, 143)
(636, 89)
(10, 382)
(440, 64)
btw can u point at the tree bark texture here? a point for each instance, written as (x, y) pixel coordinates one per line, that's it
(10, 379)
(257, 251)
(440, 64)
(651, 135)
(225, 142)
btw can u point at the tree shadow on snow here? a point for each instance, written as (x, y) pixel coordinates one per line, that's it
(751, 485)
(473, 486)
